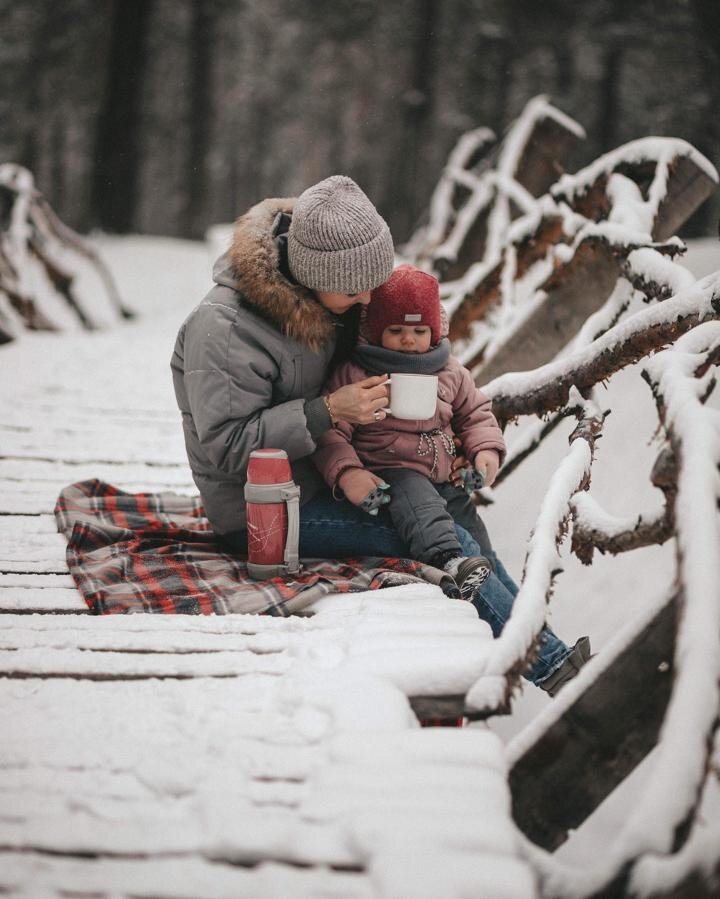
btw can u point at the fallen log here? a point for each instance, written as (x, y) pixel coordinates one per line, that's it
(608, 730)
(40, 260)
(637, 195)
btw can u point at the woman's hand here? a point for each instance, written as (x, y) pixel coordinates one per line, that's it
(356, 483)
(487, 462)
(362, 402)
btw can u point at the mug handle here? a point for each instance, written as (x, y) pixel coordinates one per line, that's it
(386, 409)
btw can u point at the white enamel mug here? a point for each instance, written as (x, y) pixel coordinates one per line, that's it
(412, 396)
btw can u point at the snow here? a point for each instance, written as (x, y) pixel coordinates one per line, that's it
(554, 711)
(660, 149)
(691, 715)
(587, 510)
(654, 874)
(654, 267)
(337, 703)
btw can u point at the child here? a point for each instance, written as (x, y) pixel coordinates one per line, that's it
(408, 463)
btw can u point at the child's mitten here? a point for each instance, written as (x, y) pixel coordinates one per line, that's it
(375, 499)
(472, 480)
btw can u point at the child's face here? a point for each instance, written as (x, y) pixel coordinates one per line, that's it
(407, 338)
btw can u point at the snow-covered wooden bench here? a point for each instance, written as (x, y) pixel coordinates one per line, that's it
(184, 756)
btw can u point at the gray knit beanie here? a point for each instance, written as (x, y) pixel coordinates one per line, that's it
(338, 242)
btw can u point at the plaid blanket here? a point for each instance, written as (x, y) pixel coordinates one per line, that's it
(155, 552)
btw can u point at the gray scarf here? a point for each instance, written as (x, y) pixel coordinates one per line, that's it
(378, 361)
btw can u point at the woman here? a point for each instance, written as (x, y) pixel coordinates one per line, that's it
(250, 362)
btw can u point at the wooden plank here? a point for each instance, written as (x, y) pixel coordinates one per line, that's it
(688, 187)
(100, 638)
(608, 730)
(108, 665)
(35, 581)
(108, 448)
(165, 625)
(28, 600)
(448, 708)
(43, 549)
(37, 565)
(37, 471)
(21, 525)
(184, 877)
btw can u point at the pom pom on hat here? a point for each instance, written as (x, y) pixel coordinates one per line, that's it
(409, 297)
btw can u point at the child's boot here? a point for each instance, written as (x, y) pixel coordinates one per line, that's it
(579, 655)
(469, 573)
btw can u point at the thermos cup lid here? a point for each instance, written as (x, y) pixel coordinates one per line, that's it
(269, 466)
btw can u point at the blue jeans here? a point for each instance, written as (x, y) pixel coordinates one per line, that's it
(332, 529)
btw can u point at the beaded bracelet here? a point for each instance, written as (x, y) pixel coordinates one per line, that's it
(333, 417)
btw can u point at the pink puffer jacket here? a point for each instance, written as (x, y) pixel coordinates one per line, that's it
(462, 410)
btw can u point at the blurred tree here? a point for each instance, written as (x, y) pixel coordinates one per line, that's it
(117, 148)
(164, 116)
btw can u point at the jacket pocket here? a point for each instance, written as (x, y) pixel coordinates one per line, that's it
(378, 448)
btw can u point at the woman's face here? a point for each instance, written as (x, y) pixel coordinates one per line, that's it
(407, 338)
(341, 302)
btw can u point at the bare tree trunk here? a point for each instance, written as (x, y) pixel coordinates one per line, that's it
(608, 106)
(117, 147)
(201, 51)
(418, 105)
(707, 16)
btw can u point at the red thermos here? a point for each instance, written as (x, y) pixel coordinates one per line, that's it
(273, 515)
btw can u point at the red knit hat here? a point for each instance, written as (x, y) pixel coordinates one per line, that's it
(409, 297)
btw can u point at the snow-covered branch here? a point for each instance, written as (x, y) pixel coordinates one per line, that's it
(594, 528)
(476, 198)
(655, 276)
(514, 648)
(548, 387)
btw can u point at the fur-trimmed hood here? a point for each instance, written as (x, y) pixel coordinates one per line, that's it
(252, 267)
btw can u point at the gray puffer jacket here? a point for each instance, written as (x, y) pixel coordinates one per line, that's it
(248, 366)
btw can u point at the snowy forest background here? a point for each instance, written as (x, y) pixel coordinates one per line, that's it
(164, 116)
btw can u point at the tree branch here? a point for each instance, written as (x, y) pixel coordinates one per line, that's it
(548, 388)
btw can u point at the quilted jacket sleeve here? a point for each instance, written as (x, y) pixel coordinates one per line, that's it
(473, 421)
(335, 451)
(228, 378)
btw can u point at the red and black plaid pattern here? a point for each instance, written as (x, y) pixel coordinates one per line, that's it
(155, 552)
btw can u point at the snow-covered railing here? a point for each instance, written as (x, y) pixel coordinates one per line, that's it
(464, 155)
(50, 277)
(559, 261)
(477, 196)
(561, 387)
(663, 832)
(514, 648)
(586, 276)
